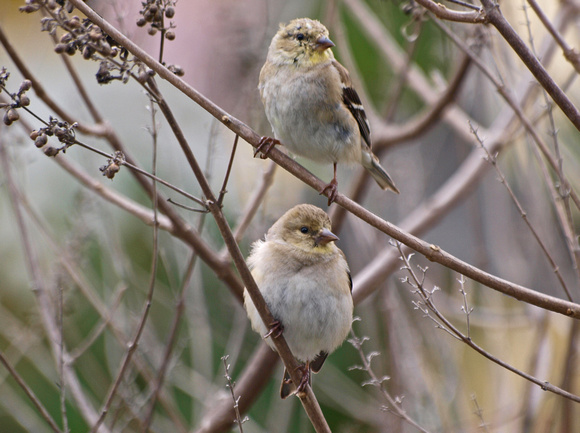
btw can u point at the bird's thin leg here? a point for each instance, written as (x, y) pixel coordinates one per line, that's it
(265, 146)
(331, 188)
(276, 329)
(305, 378)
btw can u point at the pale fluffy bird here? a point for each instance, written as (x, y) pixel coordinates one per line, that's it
(305, 281)
(311, 104)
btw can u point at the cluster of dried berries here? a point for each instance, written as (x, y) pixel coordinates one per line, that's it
(113, 165)
(87, 38)
(154, 12)
(19, 99)
(61, 130)
(82, 35)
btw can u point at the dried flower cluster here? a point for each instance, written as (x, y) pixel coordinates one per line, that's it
(113, 165)
(82, 35)
(154, 12)
(61, 130)
(19, 99)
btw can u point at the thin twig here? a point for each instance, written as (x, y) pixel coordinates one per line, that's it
(169, 346)
(505, 92)
(39, 290)
(61, 352)
(230, 385)
(255, 201)
(569, 53)
(30, 394)
(479, 413)
(496, 18)
(477, 16)
(427, 306)
(223, 190)
(99, 328)
(394, 403)
(493, 161)
(149, 299)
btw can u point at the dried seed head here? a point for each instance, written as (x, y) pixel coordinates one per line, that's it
(66, 38)
(105, 49)
(25, 86)
(50, 151)
(10, 116)
(95, 34)
(41, 140)
(60, 48)
(24, 101)
(88, 52)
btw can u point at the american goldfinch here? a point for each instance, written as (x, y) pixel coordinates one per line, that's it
(311, 105)
(305, 281)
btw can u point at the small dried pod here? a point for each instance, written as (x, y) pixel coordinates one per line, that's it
(34, 134)
(29, 8)
(50, 151)
(66, 38)
(112, 170)
(60, 48)
(141, 22)
(7, 120)
(170, 35)
(75, 22)
(25, 86)
(152, 31)
(60, 133)
(142, 76)
(105, 49)
(95, 34)
(10, 116)
(41, 140)
(177, 70)
(24, 101)
(148, 15)
(170, 12)
(88, 52)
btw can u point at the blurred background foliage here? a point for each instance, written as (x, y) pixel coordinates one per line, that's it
(95, 259)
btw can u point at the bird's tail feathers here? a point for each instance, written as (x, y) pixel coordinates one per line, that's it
(379, 174)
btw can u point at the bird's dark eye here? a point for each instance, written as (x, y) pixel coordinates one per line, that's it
(304, 229)
(300, 36)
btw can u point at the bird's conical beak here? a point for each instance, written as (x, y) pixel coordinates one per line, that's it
(325, 236)
(323, 43)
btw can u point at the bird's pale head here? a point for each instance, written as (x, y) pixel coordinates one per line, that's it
(305, 227)
(303, 42)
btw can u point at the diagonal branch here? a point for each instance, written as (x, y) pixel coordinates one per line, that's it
(432, 252)
(496, 18)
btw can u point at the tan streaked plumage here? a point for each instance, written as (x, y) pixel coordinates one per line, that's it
(305, 281)
(311, 104)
